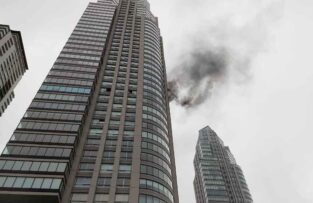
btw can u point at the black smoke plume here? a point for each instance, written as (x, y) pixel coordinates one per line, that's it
(193, 80)
(219, 47)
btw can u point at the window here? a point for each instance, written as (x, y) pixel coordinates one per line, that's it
(9, 182)
(56, 183)
(2, 180)
(121, 198)
(49, 126)
(118, 114)
(104, 182)
(19, 182)
(36, 151)
(28, 182)
(123, 182)
(114, 123)
(26, 165)
(86, 166)
(82, 182)
(127, 143)
(126, 155)
(46, 183)
(37, 183)
(101, 198)
(35, 166)
(61, 167)
(8, 165)
(90, 154)
(17, 165)
(44, 166)
(108, 155)
(79, 198)
(95, 132)
(155, 172)
(92, 142)
(149, 199)
(129, 133)
(2, 162)
(112, 133)
(110, 143)
(124, 168)
(106, 168)
(52, 167)
(152, 185)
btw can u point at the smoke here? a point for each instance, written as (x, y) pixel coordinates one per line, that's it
(196, 76)
(220, 50)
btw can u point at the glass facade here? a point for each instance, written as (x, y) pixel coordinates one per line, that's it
(218, 179)
(100, 122)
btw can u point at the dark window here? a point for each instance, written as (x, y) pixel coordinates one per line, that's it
(82, 182)
(104, 182)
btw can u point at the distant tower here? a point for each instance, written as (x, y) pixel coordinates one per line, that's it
(99, 128)
(12, 64)
(218, 179)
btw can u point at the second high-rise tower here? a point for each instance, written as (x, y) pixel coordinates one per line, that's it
(218, 178)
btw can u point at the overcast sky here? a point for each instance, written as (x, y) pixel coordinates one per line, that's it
(263, 110)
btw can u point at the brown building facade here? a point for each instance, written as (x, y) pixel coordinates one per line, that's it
(99, 128)
(13, 64)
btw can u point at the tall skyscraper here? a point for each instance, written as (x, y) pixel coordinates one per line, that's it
(13, 64)
(99, 128)
(218, 179)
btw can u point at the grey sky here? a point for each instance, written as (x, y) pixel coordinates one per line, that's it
(263, 111)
